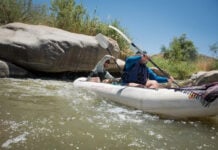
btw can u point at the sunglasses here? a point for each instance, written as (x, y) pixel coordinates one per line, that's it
(107, 62)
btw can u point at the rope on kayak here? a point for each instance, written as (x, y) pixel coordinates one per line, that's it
(206, 93)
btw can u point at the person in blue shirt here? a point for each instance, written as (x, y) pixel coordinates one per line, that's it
(137, 74)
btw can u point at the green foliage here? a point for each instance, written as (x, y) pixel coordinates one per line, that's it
(70, 16)
(180, 49)
(214, 49)
(179, 70)
(124, 46)
(21, 11)
(184, 69)
(182, 60)
(214, 65)
(67, 15)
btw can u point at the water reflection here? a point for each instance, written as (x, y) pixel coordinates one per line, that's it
(48, 114)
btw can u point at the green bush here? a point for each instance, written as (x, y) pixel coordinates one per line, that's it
(214, 65)
(180, 49)
(22, 11)
(181, 70)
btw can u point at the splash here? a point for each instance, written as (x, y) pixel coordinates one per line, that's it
(14, 140)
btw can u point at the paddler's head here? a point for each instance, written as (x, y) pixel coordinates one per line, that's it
(144, 56)
(106, 63)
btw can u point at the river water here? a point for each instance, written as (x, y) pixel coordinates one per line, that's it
(38, 114)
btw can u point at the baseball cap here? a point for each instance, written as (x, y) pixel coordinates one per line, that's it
(141, 52)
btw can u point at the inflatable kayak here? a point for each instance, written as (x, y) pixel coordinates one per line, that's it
(165, 102)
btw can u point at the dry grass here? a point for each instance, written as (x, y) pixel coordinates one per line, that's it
(204, 65)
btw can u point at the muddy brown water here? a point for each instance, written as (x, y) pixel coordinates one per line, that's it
(53, 115)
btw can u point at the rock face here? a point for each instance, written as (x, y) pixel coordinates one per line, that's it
(4, 70)
(10, 70)
(45, 49)
(204, 77)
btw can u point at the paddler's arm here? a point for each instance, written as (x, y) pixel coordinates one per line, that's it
(154, 76)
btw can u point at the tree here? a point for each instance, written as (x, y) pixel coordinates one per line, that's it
(67, 14)
(214, 49)
(20, 11)
(180, 49)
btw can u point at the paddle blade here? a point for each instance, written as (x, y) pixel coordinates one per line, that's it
(121, 33)
(102, 40)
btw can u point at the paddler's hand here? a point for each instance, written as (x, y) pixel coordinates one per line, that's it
(112, 57)
(171, 79)
(107, 81)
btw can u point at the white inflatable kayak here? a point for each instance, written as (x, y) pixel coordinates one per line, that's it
(164, 102)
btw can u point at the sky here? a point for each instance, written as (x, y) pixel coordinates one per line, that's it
(152, 24)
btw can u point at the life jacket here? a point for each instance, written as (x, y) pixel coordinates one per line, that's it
(138, 73)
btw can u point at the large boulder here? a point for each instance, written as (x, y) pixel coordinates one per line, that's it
(204, 77)
(47, 49)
